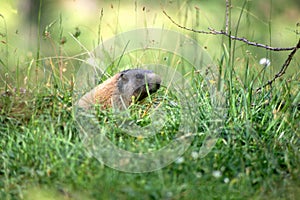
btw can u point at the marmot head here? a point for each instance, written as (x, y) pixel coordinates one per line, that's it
(118, 90)
(137, 83)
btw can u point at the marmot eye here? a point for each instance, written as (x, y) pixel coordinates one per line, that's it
(123, 77)
(139, 76)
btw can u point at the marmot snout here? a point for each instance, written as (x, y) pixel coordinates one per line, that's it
(117, 91)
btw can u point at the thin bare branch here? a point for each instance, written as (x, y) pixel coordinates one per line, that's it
(227, 16)
(283, 68)
(221, 32)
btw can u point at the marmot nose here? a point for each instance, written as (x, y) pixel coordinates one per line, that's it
(154, 87)
(157, 85)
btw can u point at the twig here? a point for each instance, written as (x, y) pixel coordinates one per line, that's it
(225, 33)
(221, 32)
(227, 16)
(283, 68)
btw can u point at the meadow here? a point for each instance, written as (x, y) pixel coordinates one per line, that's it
(256, 154)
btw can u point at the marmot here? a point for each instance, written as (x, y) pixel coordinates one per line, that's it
(118, 90)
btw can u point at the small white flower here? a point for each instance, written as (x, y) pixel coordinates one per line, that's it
(179, 160)
(226, 180)
(265, 62)
(198, 174)
(217, 174)
(194, 155)
(169, 194)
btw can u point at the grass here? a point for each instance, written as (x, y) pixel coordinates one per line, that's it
(256, 155)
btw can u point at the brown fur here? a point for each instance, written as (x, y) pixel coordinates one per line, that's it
(118, 90)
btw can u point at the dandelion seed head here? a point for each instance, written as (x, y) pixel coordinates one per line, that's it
(265, 62)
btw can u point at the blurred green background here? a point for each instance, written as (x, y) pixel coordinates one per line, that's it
(25, 37)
